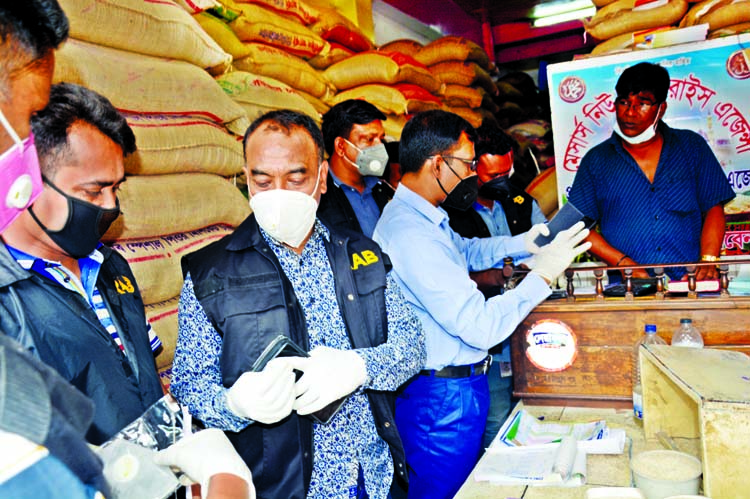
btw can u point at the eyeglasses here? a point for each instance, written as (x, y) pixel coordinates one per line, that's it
(637, 104)
(471, 163)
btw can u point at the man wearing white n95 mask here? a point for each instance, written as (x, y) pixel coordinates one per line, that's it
(284, 272)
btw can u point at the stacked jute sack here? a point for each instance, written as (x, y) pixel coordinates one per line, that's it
(151, 60)
(280, 48)
(616, 21)
(463, 66)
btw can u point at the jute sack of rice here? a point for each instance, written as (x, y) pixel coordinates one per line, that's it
(141, 84)
(163, 318)
(385, 97)
(335, 54)
(196, 6)
(161, 29)
(334, 27)
(403, 46)
(417, 98)
(156, 260)
(270, 61)
(544, 190)
(394, 125)
(182, 144)
(257, 24)
(463, 73)
(381, 67)
(453, 48)
(259, 94)
(300, 11)
(168, 204)
(220, 31)
(717, 13)
(463, 96)
(320, 105)
(621, 17)
(474, 117)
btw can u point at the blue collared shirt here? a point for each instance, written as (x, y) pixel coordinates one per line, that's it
(350, 439)
(431, 264)
(363, 204)
(659, 222)
(497, 222)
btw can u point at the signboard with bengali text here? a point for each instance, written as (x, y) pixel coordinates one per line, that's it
(709, 94)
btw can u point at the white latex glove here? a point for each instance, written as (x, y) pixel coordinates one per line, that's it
(533, 232)
(203, 455)
(266, 396)
(553, 258)
(329, 374)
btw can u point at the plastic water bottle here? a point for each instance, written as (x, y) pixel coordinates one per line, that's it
(649, 338)
(687, 335)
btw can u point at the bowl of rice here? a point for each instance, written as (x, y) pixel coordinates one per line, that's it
(664, 473)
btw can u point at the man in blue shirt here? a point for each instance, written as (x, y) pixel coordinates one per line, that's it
(442, 412)
(501, 209)
(658, 193)
(354, 141)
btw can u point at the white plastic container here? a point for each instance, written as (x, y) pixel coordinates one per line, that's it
(664, 473)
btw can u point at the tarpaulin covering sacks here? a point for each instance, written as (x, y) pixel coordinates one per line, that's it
(147, 85)
(381, 67)
(452, 48)
(182, 144)
(270, 61)
(167, 204)
(155, 261)
(161, 29)
(259, 94)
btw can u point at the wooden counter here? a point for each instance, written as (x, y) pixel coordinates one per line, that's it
(602, 470)
(605, 332)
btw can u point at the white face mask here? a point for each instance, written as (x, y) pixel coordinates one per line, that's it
(646, 135)
(287, 216)
(370, 161)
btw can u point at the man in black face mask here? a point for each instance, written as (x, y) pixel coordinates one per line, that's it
(441, 413)
(81, 309)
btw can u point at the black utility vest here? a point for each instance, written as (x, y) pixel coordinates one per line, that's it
(249, 300)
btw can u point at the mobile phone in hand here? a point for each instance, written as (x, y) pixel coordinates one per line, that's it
(564, 219)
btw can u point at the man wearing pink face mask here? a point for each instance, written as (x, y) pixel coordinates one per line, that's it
(283, 272)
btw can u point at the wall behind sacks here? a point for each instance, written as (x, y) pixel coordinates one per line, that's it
(161, 29)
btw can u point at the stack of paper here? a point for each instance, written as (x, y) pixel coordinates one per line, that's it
(532, 452)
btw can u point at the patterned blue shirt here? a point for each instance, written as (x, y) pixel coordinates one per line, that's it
(659, 222)
(363, 204)
(350, 440)
(431, 265)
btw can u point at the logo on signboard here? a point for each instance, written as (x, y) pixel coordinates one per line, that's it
(571, 89)
(737, 65)
(551, 345)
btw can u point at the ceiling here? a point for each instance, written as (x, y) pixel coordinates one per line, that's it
(501, 11)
